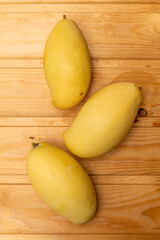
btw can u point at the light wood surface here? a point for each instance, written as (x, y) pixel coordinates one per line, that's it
(113, 31)
(134, 208)
(124, 41)
(28, 93)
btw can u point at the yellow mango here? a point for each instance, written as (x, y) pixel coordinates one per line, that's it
(104, 120)
(61, 182)
(67, 64)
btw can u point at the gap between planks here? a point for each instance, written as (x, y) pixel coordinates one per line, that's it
(21, 179)
(78, 1)
(20, 121)
(79, 237)
(145, 64)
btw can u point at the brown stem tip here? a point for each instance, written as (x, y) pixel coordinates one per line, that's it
(64, 16)
(35, 145)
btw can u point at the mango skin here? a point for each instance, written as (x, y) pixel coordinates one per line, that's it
(104, 120)
(67, 64)
(62, 183)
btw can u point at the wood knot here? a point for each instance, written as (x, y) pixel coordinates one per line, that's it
(142, 112)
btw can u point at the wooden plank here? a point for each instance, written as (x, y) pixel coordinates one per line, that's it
(97, 179)
(65, 121)
(71, 8)
(112, 33)
(138, 153)
(79, 237)
(28, 93)
(129, 208)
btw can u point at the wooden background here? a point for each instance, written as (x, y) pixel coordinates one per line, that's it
(124, 42)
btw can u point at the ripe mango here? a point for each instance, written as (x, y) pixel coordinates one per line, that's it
(61, 182)
(104, 120)
(67, 64)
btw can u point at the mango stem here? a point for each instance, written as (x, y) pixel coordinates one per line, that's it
(64, 16)
(35, 145)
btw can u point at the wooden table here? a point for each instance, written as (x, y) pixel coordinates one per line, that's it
(124, 42)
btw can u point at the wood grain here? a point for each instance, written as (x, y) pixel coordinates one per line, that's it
(24, 91)
(130, 207)
(112, 32)
(138, 153)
